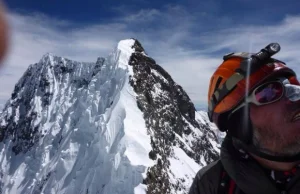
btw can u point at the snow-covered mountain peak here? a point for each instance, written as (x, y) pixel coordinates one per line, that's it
(131, 45)
(119, 125)
(47, 57)
(126, 46)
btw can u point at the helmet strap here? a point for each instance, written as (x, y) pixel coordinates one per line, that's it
(252, 149)
(240, 125)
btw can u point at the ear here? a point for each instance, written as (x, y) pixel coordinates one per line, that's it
(240, 125)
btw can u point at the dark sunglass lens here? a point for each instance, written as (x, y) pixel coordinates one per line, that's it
(269, 92)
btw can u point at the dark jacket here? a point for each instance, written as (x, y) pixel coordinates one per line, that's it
(249, 176)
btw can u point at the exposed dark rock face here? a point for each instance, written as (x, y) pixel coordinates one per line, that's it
(169, 113)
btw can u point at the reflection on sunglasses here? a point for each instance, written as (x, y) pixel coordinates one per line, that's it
(269, 92)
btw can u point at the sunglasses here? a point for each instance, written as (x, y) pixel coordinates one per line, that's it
(266, 93)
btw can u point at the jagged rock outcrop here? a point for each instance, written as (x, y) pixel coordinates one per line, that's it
(170, 118)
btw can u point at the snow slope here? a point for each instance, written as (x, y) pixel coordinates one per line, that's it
(74, 127)
(203, 118)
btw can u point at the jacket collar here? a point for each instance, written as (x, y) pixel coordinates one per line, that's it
(247, 173)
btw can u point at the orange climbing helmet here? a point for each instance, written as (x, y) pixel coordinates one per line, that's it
(239, 74)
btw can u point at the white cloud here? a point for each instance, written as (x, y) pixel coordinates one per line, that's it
(180, 43)
(144, 15)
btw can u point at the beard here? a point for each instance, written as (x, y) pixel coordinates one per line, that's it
(271, 142)
(278, 142)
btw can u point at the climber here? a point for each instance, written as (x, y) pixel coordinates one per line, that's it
(255, 99)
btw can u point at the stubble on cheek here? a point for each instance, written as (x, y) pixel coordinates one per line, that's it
(271, 141)
(273, 130)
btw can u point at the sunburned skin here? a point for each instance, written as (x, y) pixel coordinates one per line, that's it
(276, 131)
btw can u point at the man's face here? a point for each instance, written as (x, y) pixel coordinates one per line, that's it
(275, 128)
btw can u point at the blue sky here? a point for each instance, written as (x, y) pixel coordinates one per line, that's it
(93, 11)
(187, 38)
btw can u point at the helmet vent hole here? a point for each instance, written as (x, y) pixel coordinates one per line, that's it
(218, 83)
